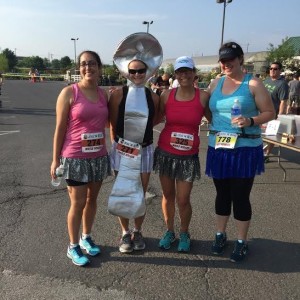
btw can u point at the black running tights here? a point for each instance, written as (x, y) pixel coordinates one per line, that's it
(235, 191)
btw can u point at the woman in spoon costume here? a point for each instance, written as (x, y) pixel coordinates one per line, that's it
(133, 112)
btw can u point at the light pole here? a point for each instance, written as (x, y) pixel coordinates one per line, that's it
(148, 24)
(224, 10)
(75, 39)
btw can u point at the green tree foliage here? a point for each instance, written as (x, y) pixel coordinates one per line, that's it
(35, 62)
(47, 63)
(170, 69)
(55, 64)
(282, 53)
(3, 63)
(11, 58)
(65, 62)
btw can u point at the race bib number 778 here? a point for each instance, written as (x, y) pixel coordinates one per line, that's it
(225, 140)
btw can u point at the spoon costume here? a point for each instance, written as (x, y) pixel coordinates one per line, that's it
(127, 196)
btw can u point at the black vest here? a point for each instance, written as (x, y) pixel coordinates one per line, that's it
(148, 137)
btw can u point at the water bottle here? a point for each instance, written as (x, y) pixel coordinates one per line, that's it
(236, 111)
(59, 173)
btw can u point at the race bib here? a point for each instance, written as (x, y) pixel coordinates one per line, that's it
(128, 149)
(225, 140)
(92, 142)
(182, 141)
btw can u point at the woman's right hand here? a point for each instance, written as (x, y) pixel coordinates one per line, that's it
(55, 164)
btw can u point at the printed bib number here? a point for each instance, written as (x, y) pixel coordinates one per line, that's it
(92, 142)
(226, 140)
(128, 149)
(182, 141)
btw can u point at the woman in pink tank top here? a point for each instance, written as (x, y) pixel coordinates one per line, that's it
(79, 147)
(176, 157)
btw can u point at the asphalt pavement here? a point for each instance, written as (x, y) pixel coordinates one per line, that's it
(33, 234)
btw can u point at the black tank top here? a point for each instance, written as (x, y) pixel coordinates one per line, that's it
(148, 137)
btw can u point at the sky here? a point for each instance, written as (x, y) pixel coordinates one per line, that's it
(183, 27)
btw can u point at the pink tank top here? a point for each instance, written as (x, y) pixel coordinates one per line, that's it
(85, 136)
(180, 135)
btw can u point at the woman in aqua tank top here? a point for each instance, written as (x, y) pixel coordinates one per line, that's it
(235, 152)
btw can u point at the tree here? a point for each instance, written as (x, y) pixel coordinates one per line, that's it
(35, 62)
(3, 63)
(283, 53)
(169, 69)
(55, 64)
(65, 62)
(11, 58)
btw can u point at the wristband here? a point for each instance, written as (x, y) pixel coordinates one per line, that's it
(251, 122)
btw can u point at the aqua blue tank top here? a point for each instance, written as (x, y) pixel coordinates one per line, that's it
(220, 106)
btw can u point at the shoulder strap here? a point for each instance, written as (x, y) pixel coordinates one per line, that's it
(75, 92)
(125, 91)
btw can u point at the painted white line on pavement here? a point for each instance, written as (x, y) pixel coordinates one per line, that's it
(9, 132)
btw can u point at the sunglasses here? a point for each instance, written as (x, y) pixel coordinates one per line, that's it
(91, 63)
(138, 71)
(275, 69)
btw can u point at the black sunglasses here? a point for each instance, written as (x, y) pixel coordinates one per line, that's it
(139, 71)
(275, 69)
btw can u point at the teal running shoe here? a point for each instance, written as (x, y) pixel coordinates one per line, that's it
(184, 244)
(89, 246)
(77, 256)
(219, 244)
(240, 251)
(167, 240)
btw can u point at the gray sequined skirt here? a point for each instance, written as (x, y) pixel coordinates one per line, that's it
(179, 167)
(86, 169)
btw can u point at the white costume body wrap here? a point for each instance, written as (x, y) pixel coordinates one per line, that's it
(127, 197)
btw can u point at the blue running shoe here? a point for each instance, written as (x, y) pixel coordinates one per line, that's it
(240, 251)
(184, 242)
(219, 244)
(77, 256)
(89, 246)
(167, 240)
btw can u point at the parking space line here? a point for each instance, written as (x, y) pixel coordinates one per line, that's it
(9, 132)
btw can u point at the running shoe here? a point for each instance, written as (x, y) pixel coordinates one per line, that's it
(126, 245)
(219, 244)
(167, 240)
(240, 251)
(77, 256)
(184, 242)
(89, 246)
(138, 241)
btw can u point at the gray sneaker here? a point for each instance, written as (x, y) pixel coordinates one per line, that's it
(126, 245)
(138, 241)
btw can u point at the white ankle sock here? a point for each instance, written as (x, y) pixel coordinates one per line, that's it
(85, 235)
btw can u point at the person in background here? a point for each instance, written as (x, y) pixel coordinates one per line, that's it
(79, 145)
(133, 111)
(196, 82)
(279, 91)
(294, 93)
(176, 157)
(161, 84)
(235, 147)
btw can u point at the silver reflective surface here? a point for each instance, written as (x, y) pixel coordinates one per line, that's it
(142, 46)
